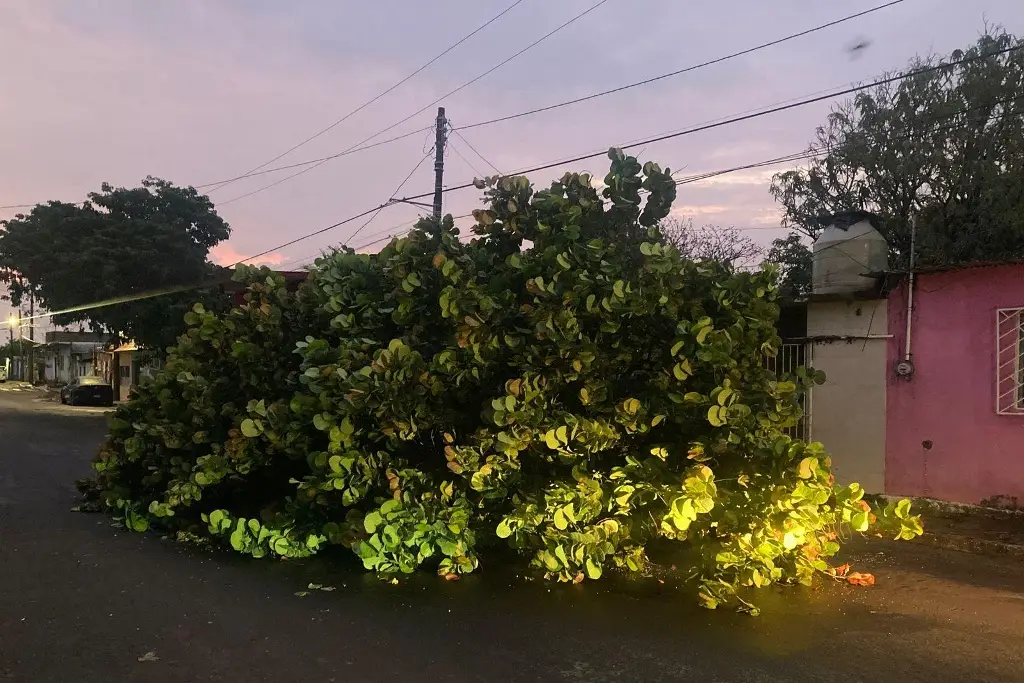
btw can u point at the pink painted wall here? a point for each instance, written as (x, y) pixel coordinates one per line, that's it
(974, 453)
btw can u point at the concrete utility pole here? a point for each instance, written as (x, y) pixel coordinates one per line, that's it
(440, 136)
(32, 338)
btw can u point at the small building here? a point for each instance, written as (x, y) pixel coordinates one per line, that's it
(124, 366)
(932, 406)
(955, 385)
(69, 355)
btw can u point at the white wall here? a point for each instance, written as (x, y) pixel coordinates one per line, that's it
(848, 411)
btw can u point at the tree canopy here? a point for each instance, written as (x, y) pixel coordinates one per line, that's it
(118, 244)
(945, 146)
(566, 386)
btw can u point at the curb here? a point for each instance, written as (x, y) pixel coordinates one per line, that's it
(970, 544)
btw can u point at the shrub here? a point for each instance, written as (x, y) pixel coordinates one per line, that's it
(565, 384)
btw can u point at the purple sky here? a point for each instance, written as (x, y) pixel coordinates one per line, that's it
(195, 91)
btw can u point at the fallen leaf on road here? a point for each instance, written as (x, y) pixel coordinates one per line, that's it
(149, 657)
(841, 570)
(859, 579)
(451, 577)
(301, 594)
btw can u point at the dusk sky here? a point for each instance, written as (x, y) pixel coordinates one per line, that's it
(195, 91)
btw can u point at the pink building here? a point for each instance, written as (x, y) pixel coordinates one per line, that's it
(954, 419)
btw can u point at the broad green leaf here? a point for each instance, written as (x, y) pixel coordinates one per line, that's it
(715, 416)
(371, 522)
(807, 468)
(860, 521)
(561, 523)
(249, 428)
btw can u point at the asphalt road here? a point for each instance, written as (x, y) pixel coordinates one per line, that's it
(81, 601)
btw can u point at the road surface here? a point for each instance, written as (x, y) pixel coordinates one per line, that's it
(81, 602)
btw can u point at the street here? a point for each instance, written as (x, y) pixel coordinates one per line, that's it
(81, 601)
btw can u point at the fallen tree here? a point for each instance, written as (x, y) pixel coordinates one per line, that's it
(565, 384)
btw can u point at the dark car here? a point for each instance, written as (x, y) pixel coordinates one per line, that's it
(87, 391)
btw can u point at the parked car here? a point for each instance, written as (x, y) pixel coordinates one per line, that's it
(87, 391)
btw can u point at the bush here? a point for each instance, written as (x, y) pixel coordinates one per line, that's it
(565, 384)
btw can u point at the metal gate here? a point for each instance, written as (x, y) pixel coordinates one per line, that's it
(787, 360)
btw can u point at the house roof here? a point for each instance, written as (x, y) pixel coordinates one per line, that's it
(946, 268)
(64, 336)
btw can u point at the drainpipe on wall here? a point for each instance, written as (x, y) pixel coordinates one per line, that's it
(905, 368)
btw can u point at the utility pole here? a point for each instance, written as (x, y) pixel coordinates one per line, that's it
(32, 338)
(441, 133)
(21, 348)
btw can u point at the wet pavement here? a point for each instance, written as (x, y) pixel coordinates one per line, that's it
(81, 601)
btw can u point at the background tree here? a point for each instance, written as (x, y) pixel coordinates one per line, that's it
(793, 257)
(946, 146)
(119, 243)
(725, 245)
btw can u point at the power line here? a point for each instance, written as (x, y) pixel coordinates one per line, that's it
(391, 202)
(755, 115)
(428, 106)
(812, 153)
(397, 190)
(309, 162)
(724, 122)
(476, 151)
(315, 163)
(380, 95)
(694, 67)
(464, 159)
(795, 156)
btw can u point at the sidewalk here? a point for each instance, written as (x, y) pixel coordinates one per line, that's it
(972, 529)
(16, 385)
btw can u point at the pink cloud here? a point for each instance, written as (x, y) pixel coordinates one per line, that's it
(225, 255)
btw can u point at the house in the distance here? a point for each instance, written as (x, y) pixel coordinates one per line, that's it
(68, 355)
(931, 406)
(124, 365)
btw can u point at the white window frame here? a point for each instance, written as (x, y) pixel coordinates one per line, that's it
(1009, 379)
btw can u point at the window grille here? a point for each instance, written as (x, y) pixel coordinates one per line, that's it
(786, 361)
(1010, 361)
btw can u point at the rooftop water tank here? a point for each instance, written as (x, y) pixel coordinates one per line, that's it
(847, 250)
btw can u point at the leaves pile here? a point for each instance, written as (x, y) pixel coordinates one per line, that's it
(565, 384)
